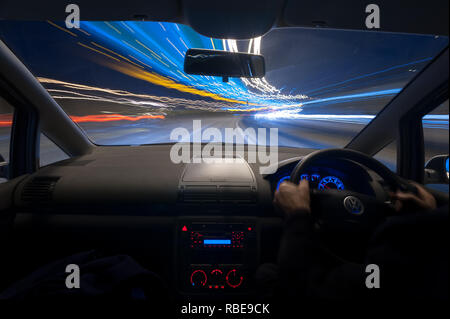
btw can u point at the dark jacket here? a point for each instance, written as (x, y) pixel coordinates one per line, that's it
(411, 252)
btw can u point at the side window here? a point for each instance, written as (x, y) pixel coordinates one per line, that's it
(6, 119)
(388, 156)
(49, 152)
(435, 133)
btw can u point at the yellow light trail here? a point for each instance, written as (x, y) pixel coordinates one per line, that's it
(156, 56)
(112, 27)
(139, 61)
(145, 100)
(85, 32)
(62, 29)
(167, 83)
(71, 91)
(151, 51)
(98, 51)
(168, 59)
(111, 51)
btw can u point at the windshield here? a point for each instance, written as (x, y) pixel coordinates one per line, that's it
(123, 82)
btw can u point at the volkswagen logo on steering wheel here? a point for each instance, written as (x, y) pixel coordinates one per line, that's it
(353, 205)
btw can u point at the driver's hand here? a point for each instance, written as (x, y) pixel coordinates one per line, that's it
(293, 199)
(408, 202)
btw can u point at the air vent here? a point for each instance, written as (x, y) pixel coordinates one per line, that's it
(229, 181)
(237, 194)
(214, 194)
(39, 189)
(198, 194)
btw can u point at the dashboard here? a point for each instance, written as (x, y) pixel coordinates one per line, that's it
(204, 228)
(154, 186)
(217, 220)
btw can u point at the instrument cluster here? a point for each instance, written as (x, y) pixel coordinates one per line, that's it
(336, 174)
(318, 181)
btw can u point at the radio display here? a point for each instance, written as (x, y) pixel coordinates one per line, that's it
(217, 242)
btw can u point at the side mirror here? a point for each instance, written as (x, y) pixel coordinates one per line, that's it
(224, 63)
(436, 170)
(3, 167)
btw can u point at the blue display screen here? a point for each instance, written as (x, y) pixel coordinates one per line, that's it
(217, 242)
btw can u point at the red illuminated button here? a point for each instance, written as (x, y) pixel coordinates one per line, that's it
(198, 278)
(184, 228)
(216, 277)
(234, 279)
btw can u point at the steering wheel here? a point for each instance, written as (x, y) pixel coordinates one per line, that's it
(348, 213)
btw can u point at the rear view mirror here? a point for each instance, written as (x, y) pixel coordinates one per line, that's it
(436, 170)
(223, 63)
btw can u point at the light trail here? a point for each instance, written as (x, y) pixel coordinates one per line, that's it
(113, 117)
(62, 29)
(98, 51)
(171, 45)
(67, 90)
(112, 27)
(6, 121)
(156, 49)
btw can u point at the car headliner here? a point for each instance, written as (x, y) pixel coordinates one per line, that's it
(239, 19)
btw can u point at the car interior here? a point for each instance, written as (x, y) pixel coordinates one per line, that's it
(206, 228)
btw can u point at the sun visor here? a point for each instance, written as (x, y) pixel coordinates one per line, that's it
(231, 19)
(405, 16)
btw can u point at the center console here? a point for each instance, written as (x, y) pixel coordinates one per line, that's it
(216, 256)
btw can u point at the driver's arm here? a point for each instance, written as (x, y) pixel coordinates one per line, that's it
(423, 201)
(304, 268)
(293, 200)
(296, 245)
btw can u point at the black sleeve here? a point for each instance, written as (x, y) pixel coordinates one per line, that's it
(412, 254)
(306, 269)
